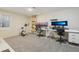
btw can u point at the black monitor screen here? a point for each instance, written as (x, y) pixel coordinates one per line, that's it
(60, 23)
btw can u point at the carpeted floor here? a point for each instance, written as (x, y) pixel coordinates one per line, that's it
(33, 43)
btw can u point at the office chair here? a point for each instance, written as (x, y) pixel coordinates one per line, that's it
(61, 32)
(40, 34)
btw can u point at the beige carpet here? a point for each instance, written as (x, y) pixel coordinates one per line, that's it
(33, 43)
(29, 43)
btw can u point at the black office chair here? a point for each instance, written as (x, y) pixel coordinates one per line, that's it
(40, 34)
(61, 33)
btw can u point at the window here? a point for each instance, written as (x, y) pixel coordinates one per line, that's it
(4, 21)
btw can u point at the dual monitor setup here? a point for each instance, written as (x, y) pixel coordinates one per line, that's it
(59, 23)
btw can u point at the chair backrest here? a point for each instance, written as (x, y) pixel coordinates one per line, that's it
(60, 31)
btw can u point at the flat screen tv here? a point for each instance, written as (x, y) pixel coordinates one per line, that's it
(59, 23)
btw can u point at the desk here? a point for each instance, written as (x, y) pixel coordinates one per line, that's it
(73, 35)
(69, 31)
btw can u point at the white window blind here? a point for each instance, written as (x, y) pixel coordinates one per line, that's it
(4, 21)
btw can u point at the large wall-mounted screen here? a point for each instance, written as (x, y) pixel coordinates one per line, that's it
(59, 23)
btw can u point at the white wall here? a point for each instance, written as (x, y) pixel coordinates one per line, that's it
(16, 22)
(70, 14)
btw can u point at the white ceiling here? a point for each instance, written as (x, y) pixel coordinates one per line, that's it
(36, 11)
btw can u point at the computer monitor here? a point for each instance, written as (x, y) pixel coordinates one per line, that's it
(59, 23)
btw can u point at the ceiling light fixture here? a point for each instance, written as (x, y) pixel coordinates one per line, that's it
(30, 9)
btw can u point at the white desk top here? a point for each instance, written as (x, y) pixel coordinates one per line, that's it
(70, 30)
